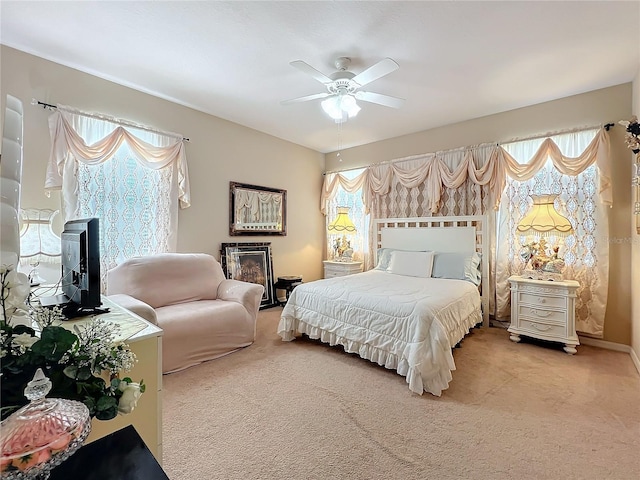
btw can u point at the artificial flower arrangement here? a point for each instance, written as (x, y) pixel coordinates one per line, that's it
(632, 135)
(83, 365)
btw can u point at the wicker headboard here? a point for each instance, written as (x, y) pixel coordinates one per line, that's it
(442, 234)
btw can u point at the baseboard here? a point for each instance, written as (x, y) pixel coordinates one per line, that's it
(618, 347)
(636, 360)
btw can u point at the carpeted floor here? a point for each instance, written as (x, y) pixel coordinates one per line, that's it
(302, 410)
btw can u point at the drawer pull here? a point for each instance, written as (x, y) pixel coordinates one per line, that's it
(542, 328)
(542, 300)
(541, 313)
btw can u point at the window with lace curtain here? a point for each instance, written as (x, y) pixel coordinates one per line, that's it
(585, 252)
(135, 194)
(359, 241)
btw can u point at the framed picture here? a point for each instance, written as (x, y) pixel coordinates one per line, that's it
(255, 210)
(250, 262)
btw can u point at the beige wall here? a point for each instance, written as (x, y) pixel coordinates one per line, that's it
(593, 108)
(219, 152)
(635, 253)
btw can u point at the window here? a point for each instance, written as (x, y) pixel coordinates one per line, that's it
(585, 252)
(359, 241)
(132, 180)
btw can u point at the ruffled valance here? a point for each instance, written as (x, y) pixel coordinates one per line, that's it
(65, 140)
(377, 179)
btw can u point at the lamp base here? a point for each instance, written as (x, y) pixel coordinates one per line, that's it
(541, 275)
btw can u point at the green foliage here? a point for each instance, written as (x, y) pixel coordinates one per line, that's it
(72, 369)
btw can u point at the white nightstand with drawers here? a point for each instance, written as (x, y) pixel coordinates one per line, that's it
(544, 309)
(340, 269)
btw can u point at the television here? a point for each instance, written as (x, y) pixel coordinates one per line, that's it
(80, 282)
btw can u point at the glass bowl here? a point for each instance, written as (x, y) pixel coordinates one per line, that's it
(42, 434)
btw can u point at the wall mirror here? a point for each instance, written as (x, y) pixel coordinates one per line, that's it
(255, 210)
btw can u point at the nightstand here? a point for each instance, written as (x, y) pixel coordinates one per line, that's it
(287, 283)
(544, 309)
(340, 269)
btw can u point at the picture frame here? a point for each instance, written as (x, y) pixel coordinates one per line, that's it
(250, 262)
(257, 210)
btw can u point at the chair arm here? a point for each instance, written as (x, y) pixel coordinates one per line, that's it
(246, 294)
(136, 306)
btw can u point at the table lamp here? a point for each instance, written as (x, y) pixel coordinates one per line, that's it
(37, 239)
(543, 221)
(342, 225)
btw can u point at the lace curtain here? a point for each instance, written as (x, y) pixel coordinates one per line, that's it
(132, 179)
(410, 191)
(585, 252)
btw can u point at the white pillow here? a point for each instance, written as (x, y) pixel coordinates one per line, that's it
(384, 257)
(461, 266)
(411, 264)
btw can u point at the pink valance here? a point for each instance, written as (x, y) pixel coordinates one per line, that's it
(65, 140)
(430, 168)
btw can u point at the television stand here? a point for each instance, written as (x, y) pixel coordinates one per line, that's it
(70, 309)
(54, 301)
(73, 310)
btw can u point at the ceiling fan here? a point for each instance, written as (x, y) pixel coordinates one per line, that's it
(343, 88)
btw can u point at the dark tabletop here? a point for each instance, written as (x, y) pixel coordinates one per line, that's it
(121, 455)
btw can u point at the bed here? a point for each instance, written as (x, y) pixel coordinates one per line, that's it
(395, 315)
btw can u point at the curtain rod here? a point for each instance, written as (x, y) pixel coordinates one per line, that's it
(413, 157)
(110, 119)
(559, 132)
(607, 127)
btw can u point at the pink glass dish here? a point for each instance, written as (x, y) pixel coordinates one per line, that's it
(42, 434)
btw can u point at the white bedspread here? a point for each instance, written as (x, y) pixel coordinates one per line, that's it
(404, 323)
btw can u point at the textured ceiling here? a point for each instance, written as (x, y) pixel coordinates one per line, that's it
(458, 60)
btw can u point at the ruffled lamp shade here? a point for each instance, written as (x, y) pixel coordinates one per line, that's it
(544, 220)
(342, 225)
(540, 222)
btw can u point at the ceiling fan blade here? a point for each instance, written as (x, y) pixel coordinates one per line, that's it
(380, 99)
(374, 72)
(306, 98)
(309, 70)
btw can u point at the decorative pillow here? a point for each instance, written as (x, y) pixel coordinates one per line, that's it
(458, 266)
(411, 264)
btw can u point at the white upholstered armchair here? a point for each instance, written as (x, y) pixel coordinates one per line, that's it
(203, 314)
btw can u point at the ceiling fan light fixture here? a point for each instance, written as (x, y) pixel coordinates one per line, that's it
(338, 105)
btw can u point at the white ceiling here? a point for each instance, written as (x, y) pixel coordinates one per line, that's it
(458, 60)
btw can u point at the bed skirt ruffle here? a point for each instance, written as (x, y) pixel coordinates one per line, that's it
(420, 374)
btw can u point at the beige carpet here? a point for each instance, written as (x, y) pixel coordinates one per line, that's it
(302, 410)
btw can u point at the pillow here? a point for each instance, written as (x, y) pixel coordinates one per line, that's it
(411, 264)
(458, 266)
(384, 257)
